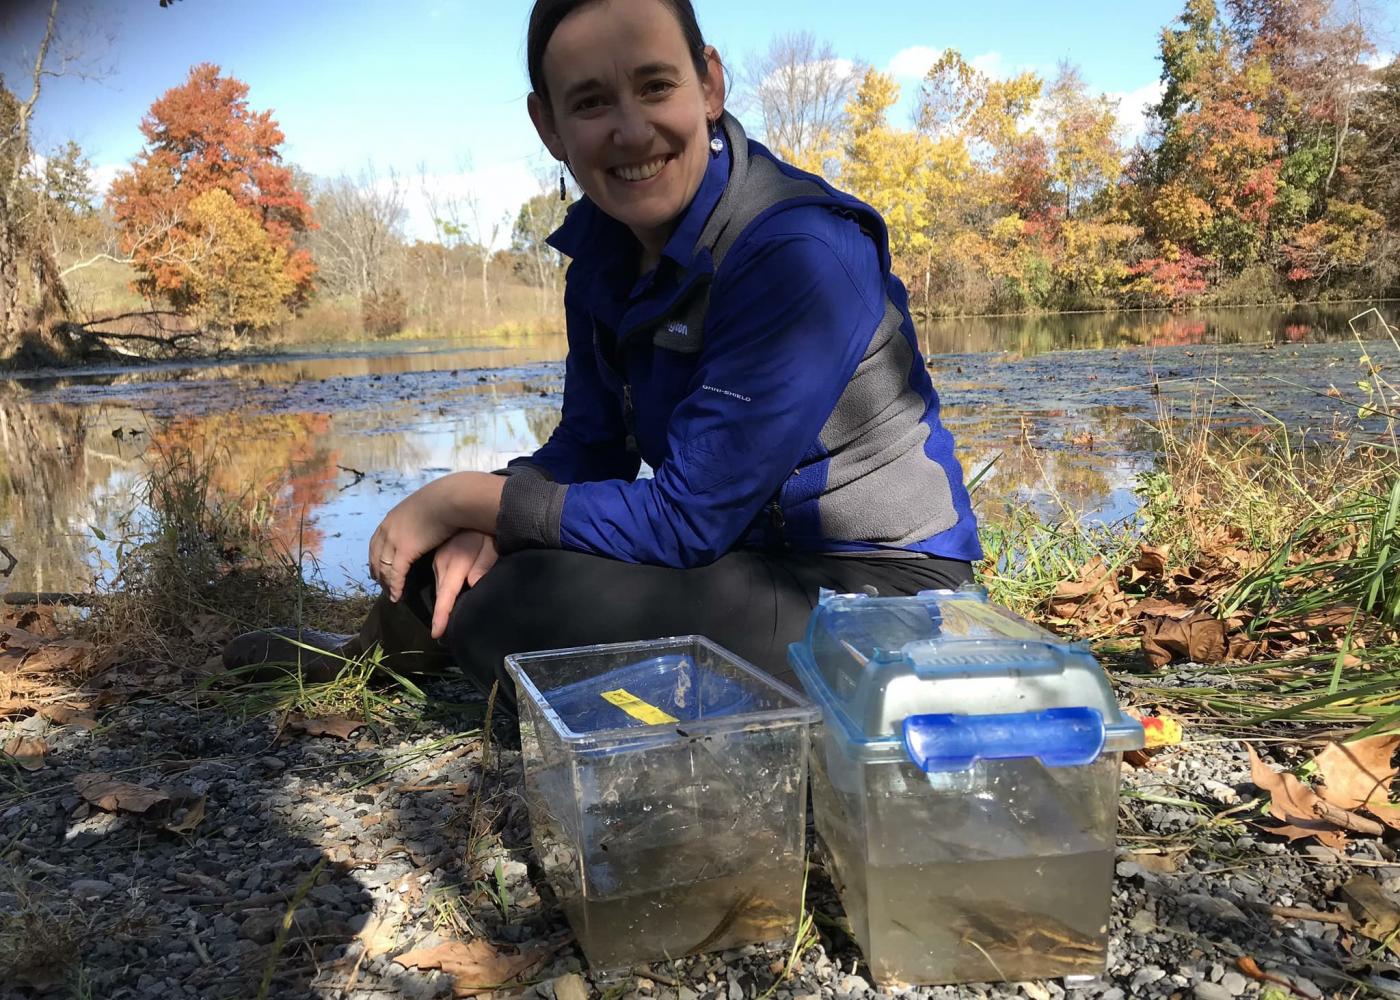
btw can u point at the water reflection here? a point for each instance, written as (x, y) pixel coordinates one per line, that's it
(342, 437)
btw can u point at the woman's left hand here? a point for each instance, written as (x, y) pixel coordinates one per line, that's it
(427, 518)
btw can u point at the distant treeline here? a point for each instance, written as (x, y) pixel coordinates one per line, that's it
(1270, 170)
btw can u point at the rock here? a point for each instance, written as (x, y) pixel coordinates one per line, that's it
(852, 984)
(1235, 983)
(1146, 975)
(570, 987)
(1211, 991)
(91, 888)
(1035, 991)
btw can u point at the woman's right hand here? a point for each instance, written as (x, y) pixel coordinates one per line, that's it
(462, 559)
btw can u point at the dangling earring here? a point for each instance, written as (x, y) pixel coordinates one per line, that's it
(563, 194)
(716, 143)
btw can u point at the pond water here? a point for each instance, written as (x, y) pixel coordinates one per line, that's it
(1066, 405)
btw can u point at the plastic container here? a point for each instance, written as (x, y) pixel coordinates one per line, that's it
(667, 789)
(965, 783)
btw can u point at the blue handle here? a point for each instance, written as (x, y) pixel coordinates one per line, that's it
(1060, 737)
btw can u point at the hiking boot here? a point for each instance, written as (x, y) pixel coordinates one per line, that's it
(282, 650)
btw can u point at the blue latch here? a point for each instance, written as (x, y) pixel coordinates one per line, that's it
(1060, 737)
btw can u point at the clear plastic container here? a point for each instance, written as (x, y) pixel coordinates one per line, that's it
(965, 783)
(667, 789)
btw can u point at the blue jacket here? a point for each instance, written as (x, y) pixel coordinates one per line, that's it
(767, 371)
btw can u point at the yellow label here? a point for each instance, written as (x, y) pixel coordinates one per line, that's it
(637, 708)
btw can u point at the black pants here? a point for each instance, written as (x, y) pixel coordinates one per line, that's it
(752, 603)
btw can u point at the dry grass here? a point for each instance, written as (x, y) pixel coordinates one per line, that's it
(192, 558)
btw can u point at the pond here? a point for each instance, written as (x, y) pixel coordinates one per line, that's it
(1065, 406)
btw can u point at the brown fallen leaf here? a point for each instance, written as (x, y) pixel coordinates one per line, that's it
(63, 715)
(331, 725)
(1199, 638)
(17, 638)
(1295, 805)
(1163, 863)
(27, 751)
(105, 792)
(194, 815)
(1376, 913)
(1094, 597)
(59, 654)
(1357, 775)
(475, 966)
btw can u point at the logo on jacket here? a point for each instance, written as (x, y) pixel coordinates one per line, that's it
(678, 328)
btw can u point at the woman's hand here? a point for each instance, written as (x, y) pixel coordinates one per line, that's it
(462, 559)
(428, 517)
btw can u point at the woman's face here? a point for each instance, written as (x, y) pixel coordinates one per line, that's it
(629, 113)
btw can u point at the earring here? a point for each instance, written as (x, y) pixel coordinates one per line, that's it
(563, 194)
(716, 143)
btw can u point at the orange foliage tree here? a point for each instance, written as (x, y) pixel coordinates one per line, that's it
(201, 136)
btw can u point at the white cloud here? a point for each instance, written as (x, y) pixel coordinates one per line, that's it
(990, 63)
(912, 63)
(1133, 106)
(1380, 60)
(102, 176)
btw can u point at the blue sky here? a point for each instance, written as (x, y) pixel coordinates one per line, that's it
(440, 83)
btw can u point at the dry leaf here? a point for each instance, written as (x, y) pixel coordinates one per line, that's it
(475, 966)
(1163, 863)
(60, 654)
(17, 638)
(1198, 638)
(103, 791)
(28, 751)
(331, 725)
(63, 715)
(1094, 597)
(1376, 913)
(1159, 608)
(1357, 775)
(194, 815)
(1293, 803)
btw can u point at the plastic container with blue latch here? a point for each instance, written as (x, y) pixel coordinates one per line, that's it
(667, 788)
(965, 783)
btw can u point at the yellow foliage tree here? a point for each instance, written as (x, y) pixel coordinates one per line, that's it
(238, 278)
(888, 168)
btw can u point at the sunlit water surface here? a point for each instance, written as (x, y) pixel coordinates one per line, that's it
(1066, 406)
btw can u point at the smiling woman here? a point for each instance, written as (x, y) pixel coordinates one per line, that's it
(734, 324)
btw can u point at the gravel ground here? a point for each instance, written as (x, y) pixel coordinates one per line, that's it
(117, 904)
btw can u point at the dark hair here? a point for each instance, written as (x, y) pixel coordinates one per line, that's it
(547, 15)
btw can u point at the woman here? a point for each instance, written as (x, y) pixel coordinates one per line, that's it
(733, 323)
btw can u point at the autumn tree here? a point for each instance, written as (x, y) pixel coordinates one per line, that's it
(1083, 138)
(237, 280)
(1377, 166)
(203, 136)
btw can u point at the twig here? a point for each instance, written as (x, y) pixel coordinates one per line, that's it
(1298, 913)
(198, 947)
(658, 977)
(354, 472)
(1347, 820)
(10, 557)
